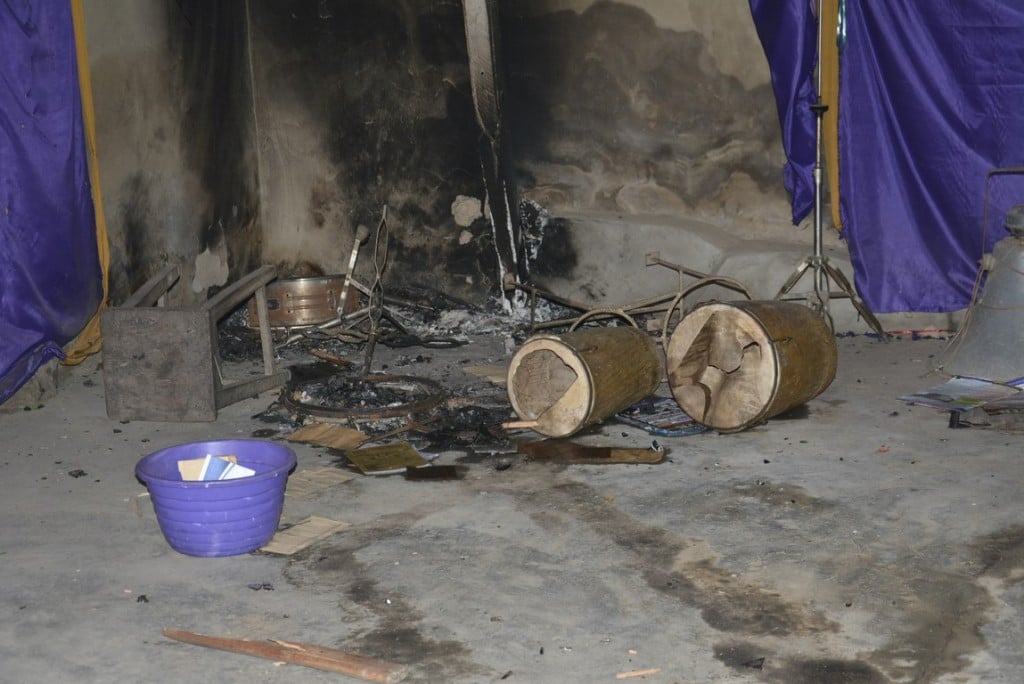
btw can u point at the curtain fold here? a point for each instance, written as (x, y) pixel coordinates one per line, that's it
(50, 278)
(932, 99)
(788, 32)
(89, 340)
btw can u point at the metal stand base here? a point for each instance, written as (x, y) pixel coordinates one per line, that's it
(823, 271)
(817, 262)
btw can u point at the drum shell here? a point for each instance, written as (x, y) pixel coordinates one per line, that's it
(566, 382)
(300, 302)
(734, 365)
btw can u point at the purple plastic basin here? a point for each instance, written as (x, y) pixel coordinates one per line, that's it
(224, 517)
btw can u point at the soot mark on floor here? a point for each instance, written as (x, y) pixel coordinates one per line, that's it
(949, 608)
(1001, 554)
(751, 659)
(332, 568)
(727, 601)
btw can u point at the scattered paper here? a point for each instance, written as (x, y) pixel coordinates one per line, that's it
(293, 538)
(962, 394)
(223, 468)
(390, 458)
(332, 436)
(660, 416)
(309, 483)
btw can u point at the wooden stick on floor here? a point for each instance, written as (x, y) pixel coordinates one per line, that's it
(319, 657)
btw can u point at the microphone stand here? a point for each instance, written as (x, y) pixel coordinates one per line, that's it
(817, 262)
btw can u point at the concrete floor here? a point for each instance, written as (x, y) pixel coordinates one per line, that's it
(857, 540)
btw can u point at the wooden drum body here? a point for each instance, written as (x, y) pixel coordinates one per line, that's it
(733, 365)
(564, 383)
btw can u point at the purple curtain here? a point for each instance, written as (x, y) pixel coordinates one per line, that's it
(788, 31)
(50, 279)
(931, 100)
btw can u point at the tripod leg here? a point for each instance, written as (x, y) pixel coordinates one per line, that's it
(859, 305)
(794, 278)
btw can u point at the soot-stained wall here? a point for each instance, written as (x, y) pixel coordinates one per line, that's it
(175, 138)
(363, 104)
(242, 132)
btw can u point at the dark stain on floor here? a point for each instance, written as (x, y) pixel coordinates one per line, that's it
(826, 670)
(941, 608)
(1001, 554)
(332, 567)
(727, 601)
(751, 659)
(949, 608)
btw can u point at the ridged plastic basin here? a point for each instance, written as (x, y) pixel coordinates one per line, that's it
(220, 518)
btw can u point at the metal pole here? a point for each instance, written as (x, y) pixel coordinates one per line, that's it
(820, 279)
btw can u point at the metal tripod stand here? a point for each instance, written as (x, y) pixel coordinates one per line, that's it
(819, 264)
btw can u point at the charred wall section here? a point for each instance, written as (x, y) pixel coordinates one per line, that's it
(362, 104)
(175, 138)
(241, 132)
(217, 127)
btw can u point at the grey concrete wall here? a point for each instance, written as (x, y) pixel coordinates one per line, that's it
(646, 107)
(236, 133)
(173, 116)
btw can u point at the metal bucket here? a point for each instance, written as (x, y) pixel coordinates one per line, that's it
(734, 365)
(299, 302)
(563, 383)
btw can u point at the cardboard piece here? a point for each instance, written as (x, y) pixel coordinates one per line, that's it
(386, 458)
(293, 538)
(309, 483)
(332, 436)
(494, 373)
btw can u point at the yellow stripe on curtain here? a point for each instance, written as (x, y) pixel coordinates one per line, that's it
(829, 65)
(88, 341)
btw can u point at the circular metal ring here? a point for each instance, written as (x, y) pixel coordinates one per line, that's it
(435, 394)
(607, 312)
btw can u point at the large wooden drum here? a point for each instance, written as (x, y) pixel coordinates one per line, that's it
(733, 365)
(560, 384)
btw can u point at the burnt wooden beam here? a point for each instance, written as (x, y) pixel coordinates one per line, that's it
(483, 48)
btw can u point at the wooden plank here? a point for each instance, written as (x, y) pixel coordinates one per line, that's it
(631, 674)
(158, 364)
(327, 435)
(318, 657)
(154, 288)
(225, 301)
(309, 483)
(302, 534)
(243, 389)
